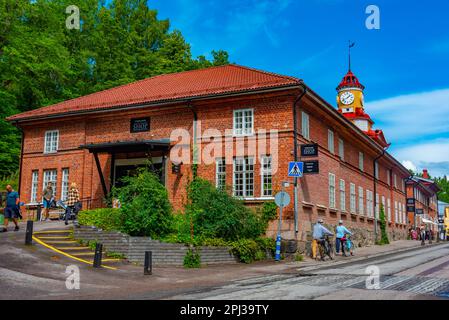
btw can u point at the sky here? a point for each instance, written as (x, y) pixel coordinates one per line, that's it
(404, 64)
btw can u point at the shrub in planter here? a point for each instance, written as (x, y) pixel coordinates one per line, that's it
(106, 219)
(146, 210)
(216, 214)
(192, 259)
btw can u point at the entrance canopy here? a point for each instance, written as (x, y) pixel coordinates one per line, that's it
(114, 148)
(128, 146)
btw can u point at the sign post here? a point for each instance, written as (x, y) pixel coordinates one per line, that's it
(282, 200)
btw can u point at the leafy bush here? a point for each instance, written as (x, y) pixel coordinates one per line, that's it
(145, 207)
(249, 250)
(192, 259)
(13, 180)
(106, 219)
(216, 214)
(383, 227)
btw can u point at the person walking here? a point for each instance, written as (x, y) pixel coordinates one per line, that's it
(11, 210)
(423, 235)
(341, 232)
(319, 232)
(73, 200)
(47, 198)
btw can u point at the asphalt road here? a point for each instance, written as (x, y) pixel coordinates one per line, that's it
(416, 274)
(34, 272)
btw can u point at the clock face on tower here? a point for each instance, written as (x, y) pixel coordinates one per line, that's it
(347, 98)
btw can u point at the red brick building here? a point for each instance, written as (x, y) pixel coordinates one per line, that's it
(96, 139)
(422, 194)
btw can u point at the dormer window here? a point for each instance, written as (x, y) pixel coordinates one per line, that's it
(51, 141)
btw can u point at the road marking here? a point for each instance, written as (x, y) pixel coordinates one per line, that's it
(55, 238)
(66, 254)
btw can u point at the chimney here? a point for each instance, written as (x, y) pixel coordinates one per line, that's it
(425, 174)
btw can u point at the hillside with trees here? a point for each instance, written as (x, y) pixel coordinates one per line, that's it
(43, 62)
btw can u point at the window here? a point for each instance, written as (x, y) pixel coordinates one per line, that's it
(332, 191)
(384, 205)
(353, 198)
(244, 177)
(404, 213)
(65, 184)
(305, 128)
(389, 177)
(389, 209)
(220, 174)
(361, 161)
(34, 185)
(341, 149)
(376, 170)
(267, 177)
(377, 206)
(369, 203)
(361, 201)
(395, 181)
(396, 212)
(51, 141)
(342, 195)
(243, 122)
(399, 212)
(330, 141)
(50, 176)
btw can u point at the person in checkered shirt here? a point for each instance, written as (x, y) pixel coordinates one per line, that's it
(73, 198)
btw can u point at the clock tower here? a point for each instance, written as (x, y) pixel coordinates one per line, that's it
(351, 104)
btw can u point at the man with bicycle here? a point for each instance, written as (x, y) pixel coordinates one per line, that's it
(319, 232)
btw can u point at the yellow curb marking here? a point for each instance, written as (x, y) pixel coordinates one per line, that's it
(55, 238)
(72, 248)
(66, 254)
(54, 231)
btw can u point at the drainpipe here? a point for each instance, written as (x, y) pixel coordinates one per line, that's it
(375, 161)
(295, 142)
(21, 160)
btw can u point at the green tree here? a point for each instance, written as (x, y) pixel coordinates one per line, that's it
(42, 62)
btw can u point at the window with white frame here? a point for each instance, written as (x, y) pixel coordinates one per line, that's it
(400, 212)
(305, 127)
(361, 161)
(34, 185)
(377, 206)
(389, 209)
(376, 170)
(361, 201)
(389, 177)
(404, 212)
(395, 181)
(369, 203)
(332, 203)
(342, 195)
(244, 177)
(51, 141)
(353, 200)
(396, 212)
(267, 177)
(384, 205)
(220, 173)
(341, 149)
(65, 184)
(330, 141)
(51, 176)
(243, 122)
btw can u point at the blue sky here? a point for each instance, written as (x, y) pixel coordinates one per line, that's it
(404, 65)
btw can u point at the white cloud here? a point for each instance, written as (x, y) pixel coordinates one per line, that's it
(433, 156)
(413, 116)
(409, 165)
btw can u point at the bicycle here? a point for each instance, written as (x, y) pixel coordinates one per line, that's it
(326, 248)
(347, 246)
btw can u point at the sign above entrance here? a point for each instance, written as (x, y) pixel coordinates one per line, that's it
(140, 125)
(309, 150)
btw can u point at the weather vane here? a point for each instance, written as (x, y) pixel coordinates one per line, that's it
(351, 45)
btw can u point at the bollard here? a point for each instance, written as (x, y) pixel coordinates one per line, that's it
(98, 255)
(38, 213)
(148, 266)
(29, 233)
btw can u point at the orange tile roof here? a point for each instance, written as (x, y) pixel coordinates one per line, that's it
(165, 88)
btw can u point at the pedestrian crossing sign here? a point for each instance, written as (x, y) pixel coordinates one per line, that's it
(296, 169)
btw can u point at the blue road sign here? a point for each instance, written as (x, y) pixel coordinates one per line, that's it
(296, 169)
